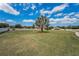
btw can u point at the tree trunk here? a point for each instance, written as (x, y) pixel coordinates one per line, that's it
(42, 28)
(47, 28)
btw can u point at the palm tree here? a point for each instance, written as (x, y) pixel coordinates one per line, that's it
(42, 22)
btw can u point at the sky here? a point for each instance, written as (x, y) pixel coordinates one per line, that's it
(59, 14)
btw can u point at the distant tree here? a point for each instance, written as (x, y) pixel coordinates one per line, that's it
(42, 22)
(51, 27)
(28, 27)
(75, 27)
(69, 27)
(33, 26)
(3, 25)
(18, 26)
(12, 27)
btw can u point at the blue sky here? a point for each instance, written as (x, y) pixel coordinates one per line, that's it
(59, 14)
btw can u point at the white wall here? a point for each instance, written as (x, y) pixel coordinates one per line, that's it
(3, 29)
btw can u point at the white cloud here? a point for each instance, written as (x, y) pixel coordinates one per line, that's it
(66, 20)
(26, 6)
(48, 15)
(59, 8)
(29, 20)
(43, 11)
(52, 22)
(56, 9)
(77, 15)
(51, 19)
(33, 7)
(72, 13)
(8, 9)
(31, 14)
(66, 15)
(60, 14)
(69, 20)
(9, 20)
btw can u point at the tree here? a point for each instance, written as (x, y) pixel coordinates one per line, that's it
(42, 22)
(3, 25)
(33, 26)
(12, 27)
(18, 26)
(51, 27)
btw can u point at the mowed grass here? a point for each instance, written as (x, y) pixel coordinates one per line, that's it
(29, 43)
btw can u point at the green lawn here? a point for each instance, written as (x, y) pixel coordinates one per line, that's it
(54, 42)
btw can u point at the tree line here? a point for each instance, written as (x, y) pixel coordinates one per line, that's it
(3, 25)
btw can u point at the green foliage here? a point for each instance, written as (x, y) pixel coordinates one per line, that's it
(18, 26)
(12, 27)
(51, 27)
(42, 22)
(33, 26)
(3, 25)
